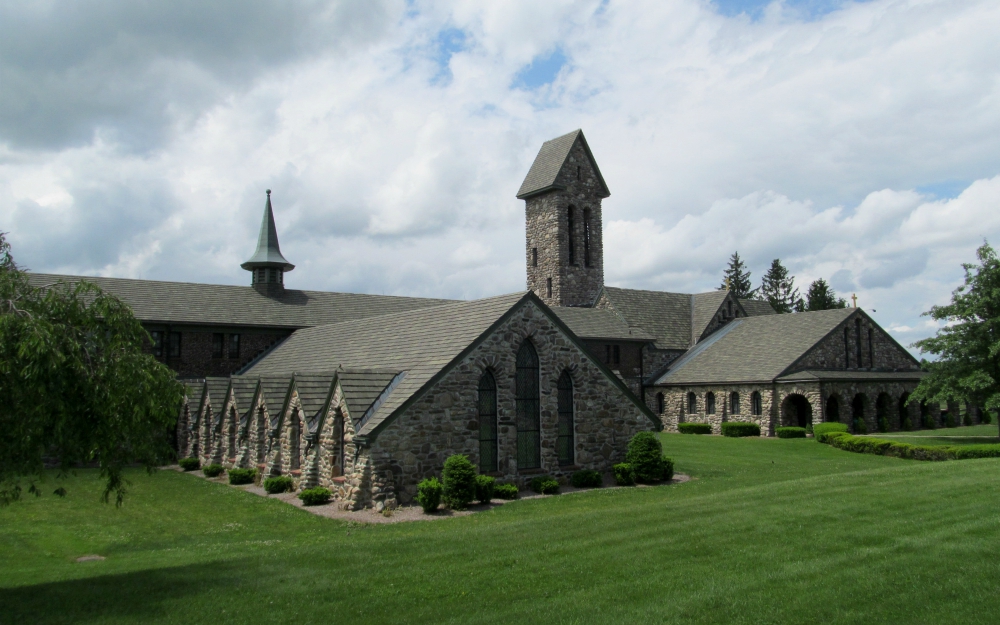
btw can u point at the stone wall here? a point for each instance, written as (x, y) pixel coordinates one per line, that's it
(845, 392)
(830, 353)
(196, 349)
(676, 406)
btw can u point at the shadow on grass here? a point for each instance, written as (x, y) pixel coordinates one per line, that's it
(133, 597)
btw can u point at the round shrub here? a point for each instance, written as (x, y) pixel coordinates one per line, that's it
(459, 479)
(544, 485)
(586, 479)
(790, 432)
(213, 470)
(429, 493)
(624, 474)
(189, 464)
(315, 496)
(645, 454)
(278, 484)
(668, 469)
(737, 429)
(485, 486)
(242, 476)
(694, 428)
(505, 491)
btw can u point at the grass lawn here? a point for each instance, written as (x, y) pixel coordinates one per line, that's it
(966, 435)
(769, 531)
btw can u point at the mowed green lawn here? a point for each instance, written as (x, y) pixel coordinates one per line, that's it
(769, 531)
(966, 435)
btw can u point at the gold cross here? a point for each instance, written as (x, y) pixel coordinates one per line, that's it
(727, 284)
(854, 297)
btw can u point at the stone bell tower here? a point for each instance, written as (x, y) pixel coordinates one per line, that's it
(267, 266)
(564, 239)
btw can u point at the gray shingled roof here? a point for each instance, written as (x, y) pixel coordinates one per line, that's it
(756, 307)
(218, 389)
(550, 160)
(275, 390)
(314, 394)
(596, 323)
(194, 389)
(219, 305)
(362, 388)
(244, 390)
(705, 307)
(844, 376)
(753, 349)
(665, 316)
(268, 252)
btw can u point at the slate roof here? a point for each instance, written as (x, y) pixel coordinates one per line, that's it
(753, 349)
(218, 389)
(756, 307)
(268, 252)
(704, 308)
(823, 374)
(314, 394)
(225, 305)
(244, 390)
(362, 388)
(665, 316)
(550, 160)
(194, 389)
(275, 391)
(596, 323)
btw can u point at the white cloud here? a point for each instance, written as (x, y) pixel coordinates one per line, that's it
(803, 140)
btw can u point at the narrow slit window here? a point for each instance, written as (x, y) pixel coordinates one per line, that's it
(617, 354)
(871, 349)
(569, 235)
(756, 405)
(586, 237)
(847, 350)
(548, 287)
(857, 340)
(534, 257)
(487, 423)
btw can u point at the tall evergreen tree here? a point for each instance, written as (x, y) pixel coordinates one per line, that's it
(737, 278)
(778, 288)
(822, 297)
(968, 347)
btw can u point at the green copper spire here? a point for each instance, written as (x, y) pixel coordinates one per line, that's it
(268, 253)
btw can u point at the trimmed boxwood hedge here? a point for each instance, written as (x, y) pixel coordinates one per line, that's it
(213, 470)
(694, 428)
(315, 496)
(429, 493)
(544, 485)
(278, 484)
(736, 429)
(505, 491)
(586, 479)
(189, 464)
(882, 447)
(485, 485)
(624, 474)
(823, 430)
(242, 476)
(790, 432)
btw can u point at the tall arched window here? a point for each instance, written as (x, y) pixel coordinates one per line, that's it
(847, 350)
(692, 403)
(338, 434)
(569, 234)
(659, 403)
(487, 423)
(756, 405)
(529, 450)
(709, 403)
(564, 443)
(734, 403)
(857, 340)
(293, 442)
(586, 237)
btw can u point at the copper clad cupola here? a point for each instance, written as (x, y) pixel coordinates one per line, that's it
(267, 265)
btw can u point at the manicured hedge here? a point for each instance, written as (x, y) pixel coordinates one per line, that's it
(242, 476)
(484, 488)
(882, 447)
(544, 485)
(737, 429)
(315, 496)
(505, 491)
(459, 479)
(694, 428)
(429, 494)
(821, 431)
(624, 474)
(586, 479)
(790, 432)
(279, 484)
(189, 464)
(213, 470)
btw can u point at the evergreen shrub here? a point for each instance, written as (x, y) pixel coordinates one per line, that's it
(278, 484)
(906, 424)
(544, 485)
(883, 424)
(809, 428)
(213, 470)
(822, 431)
(485, 486)
(586, 479)
(505, 491)
(645, 454)
(967, 419)
(242, 476)
(694, 428)
(459, 480)
(790, 432)
(737, 429)
(624, 474)
(429, 493)
(315, 496)
(986, 416)
(189, 464)
(949, 420)
(929, 423)
(668, 469)
(860, 426)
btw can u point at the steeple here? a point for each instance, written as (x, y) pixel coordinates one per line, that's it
(267, 265)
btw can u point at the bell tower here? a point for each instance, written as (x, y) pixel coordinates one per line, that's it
(563, 235)
(267, 266)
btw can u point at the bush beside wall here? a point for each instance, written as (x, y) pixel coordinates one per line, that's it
(189, 464)
(738, 429)
(485, 486)
(645, 454)
(544, 485)
(213, 470)
(242, 476)
(315, 496)
(624, 474)
(694, 428)
(586, 479)
(279, 484)
(790, 432)
(459, 480)
(505, 491)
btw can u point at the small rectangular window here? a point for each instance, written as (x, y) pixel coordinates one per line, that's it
(218, 341)
(234, 345)
(548, 287)
(157, 337)
(618, 354)
(174, 350)
(534, 257)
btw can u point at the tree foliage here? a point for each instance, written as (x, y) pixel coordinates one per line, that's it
(778, 288)
(968, 346)
(821, 296)
(736, 278)
(75, 387)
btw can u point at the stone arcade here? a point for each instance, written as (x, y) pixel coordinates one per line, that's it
(369, 394)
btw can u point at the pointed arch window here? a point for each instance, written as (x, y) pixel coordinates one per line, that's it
(529, 450)
(293, 442)
(756, 405)
(734, 403)
(709, 403)
(659, 403)
(692, 403)
(564, 442)
(487, 423)
(569, 234)
(586, 237)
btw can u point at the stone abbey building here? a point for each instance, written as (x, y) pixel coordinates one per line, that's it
(369, 394)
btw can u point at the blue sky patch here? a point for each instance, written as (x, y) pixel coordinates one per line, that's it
(542, 70)
(946, 189)
(448, 42)
(810, 9)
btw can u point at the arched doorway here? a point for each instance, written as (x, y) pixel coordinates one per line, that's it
(883, 407)
(832, 409)
(858, 414)
(796, 410)
(904, 412)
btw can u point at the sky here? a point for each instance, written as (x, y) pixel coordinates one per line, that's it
(856, 141)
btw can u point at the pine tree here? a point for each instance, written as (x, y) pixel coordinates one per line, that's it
(778, 288)
(821, 297)
(737, 279)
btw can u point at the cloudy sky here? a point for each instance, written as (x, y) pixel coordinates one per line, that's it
(856, 141)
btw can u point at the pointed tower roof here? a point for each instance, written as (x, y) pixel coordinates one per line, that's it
(268, 253)
(549, 162)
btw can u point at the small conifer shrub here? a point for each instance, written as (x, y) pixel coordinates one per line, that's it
(624, 474)
(645, 454)
(544, 485)
(213, 470)
(668, 469)
(484, 488)
(505, 491)
(459, 479)
(949, 420)
(278, 484)
(586, 479)
(238, 477)
(967, 419)
(315, 496)
(189, 464)
(429, 493)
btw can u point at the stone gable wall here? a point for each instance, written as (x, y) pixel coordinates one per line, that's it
(829, 353)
